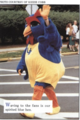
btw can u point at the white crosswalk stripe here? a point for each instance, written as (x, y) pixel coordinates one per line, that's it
(61, 115)
(65, 77)
(27, 83)
(30, 95)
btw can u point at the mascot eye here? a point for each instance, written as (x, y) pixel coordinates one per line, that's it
(34, 23)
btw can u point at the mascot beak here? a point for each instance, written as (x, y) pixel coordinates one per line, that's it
(31, 20)
(27, 31)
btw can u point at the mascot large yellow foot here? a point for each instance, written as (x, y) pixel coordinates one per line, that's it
(29, 115)
(52, 96)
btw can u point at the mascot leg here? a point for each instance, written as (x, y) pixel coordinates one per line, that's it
(37, 95)
(38, 92)
(52, 96)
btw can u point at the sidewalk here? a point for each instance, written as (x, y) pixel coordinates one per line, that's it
(12, 48)
(22, 47)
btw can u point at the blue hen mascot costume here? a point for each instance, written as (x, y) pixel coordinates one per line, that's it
(41, 59)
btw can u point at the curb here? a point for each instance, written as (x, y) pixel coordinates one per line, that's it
(18, 58)
(9, 59)
(70, 53)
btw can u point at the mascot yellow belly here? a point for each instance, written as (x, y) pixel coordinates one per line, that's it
(41, 69)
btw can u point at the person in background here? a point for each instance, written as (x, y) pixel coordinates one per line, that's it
(71, 38)
(61, 47)
(67, 29)
(67, 33)
(77, 40)
(75, 27)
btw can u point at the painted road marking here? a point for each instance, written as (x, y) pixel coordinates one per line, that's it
(9, 70)
(27, 83)
(44, 95)
(60, 115)
(2, 75)
(65, 77)
(70, 77)
(75, 67)
(68, 82)
(2, 101)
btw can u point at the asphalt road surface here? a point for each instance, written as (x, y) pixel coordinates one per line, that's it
(13, 87)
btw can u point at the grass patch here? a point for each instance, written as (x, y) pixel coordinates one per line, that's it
(67, 50)
(11, 54)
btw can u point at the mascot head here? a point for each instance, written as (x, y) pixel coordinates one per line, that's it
(37, 31)
(35, 28)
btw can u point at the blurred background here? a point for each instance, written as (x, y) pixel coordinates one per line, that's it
(12, 21)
